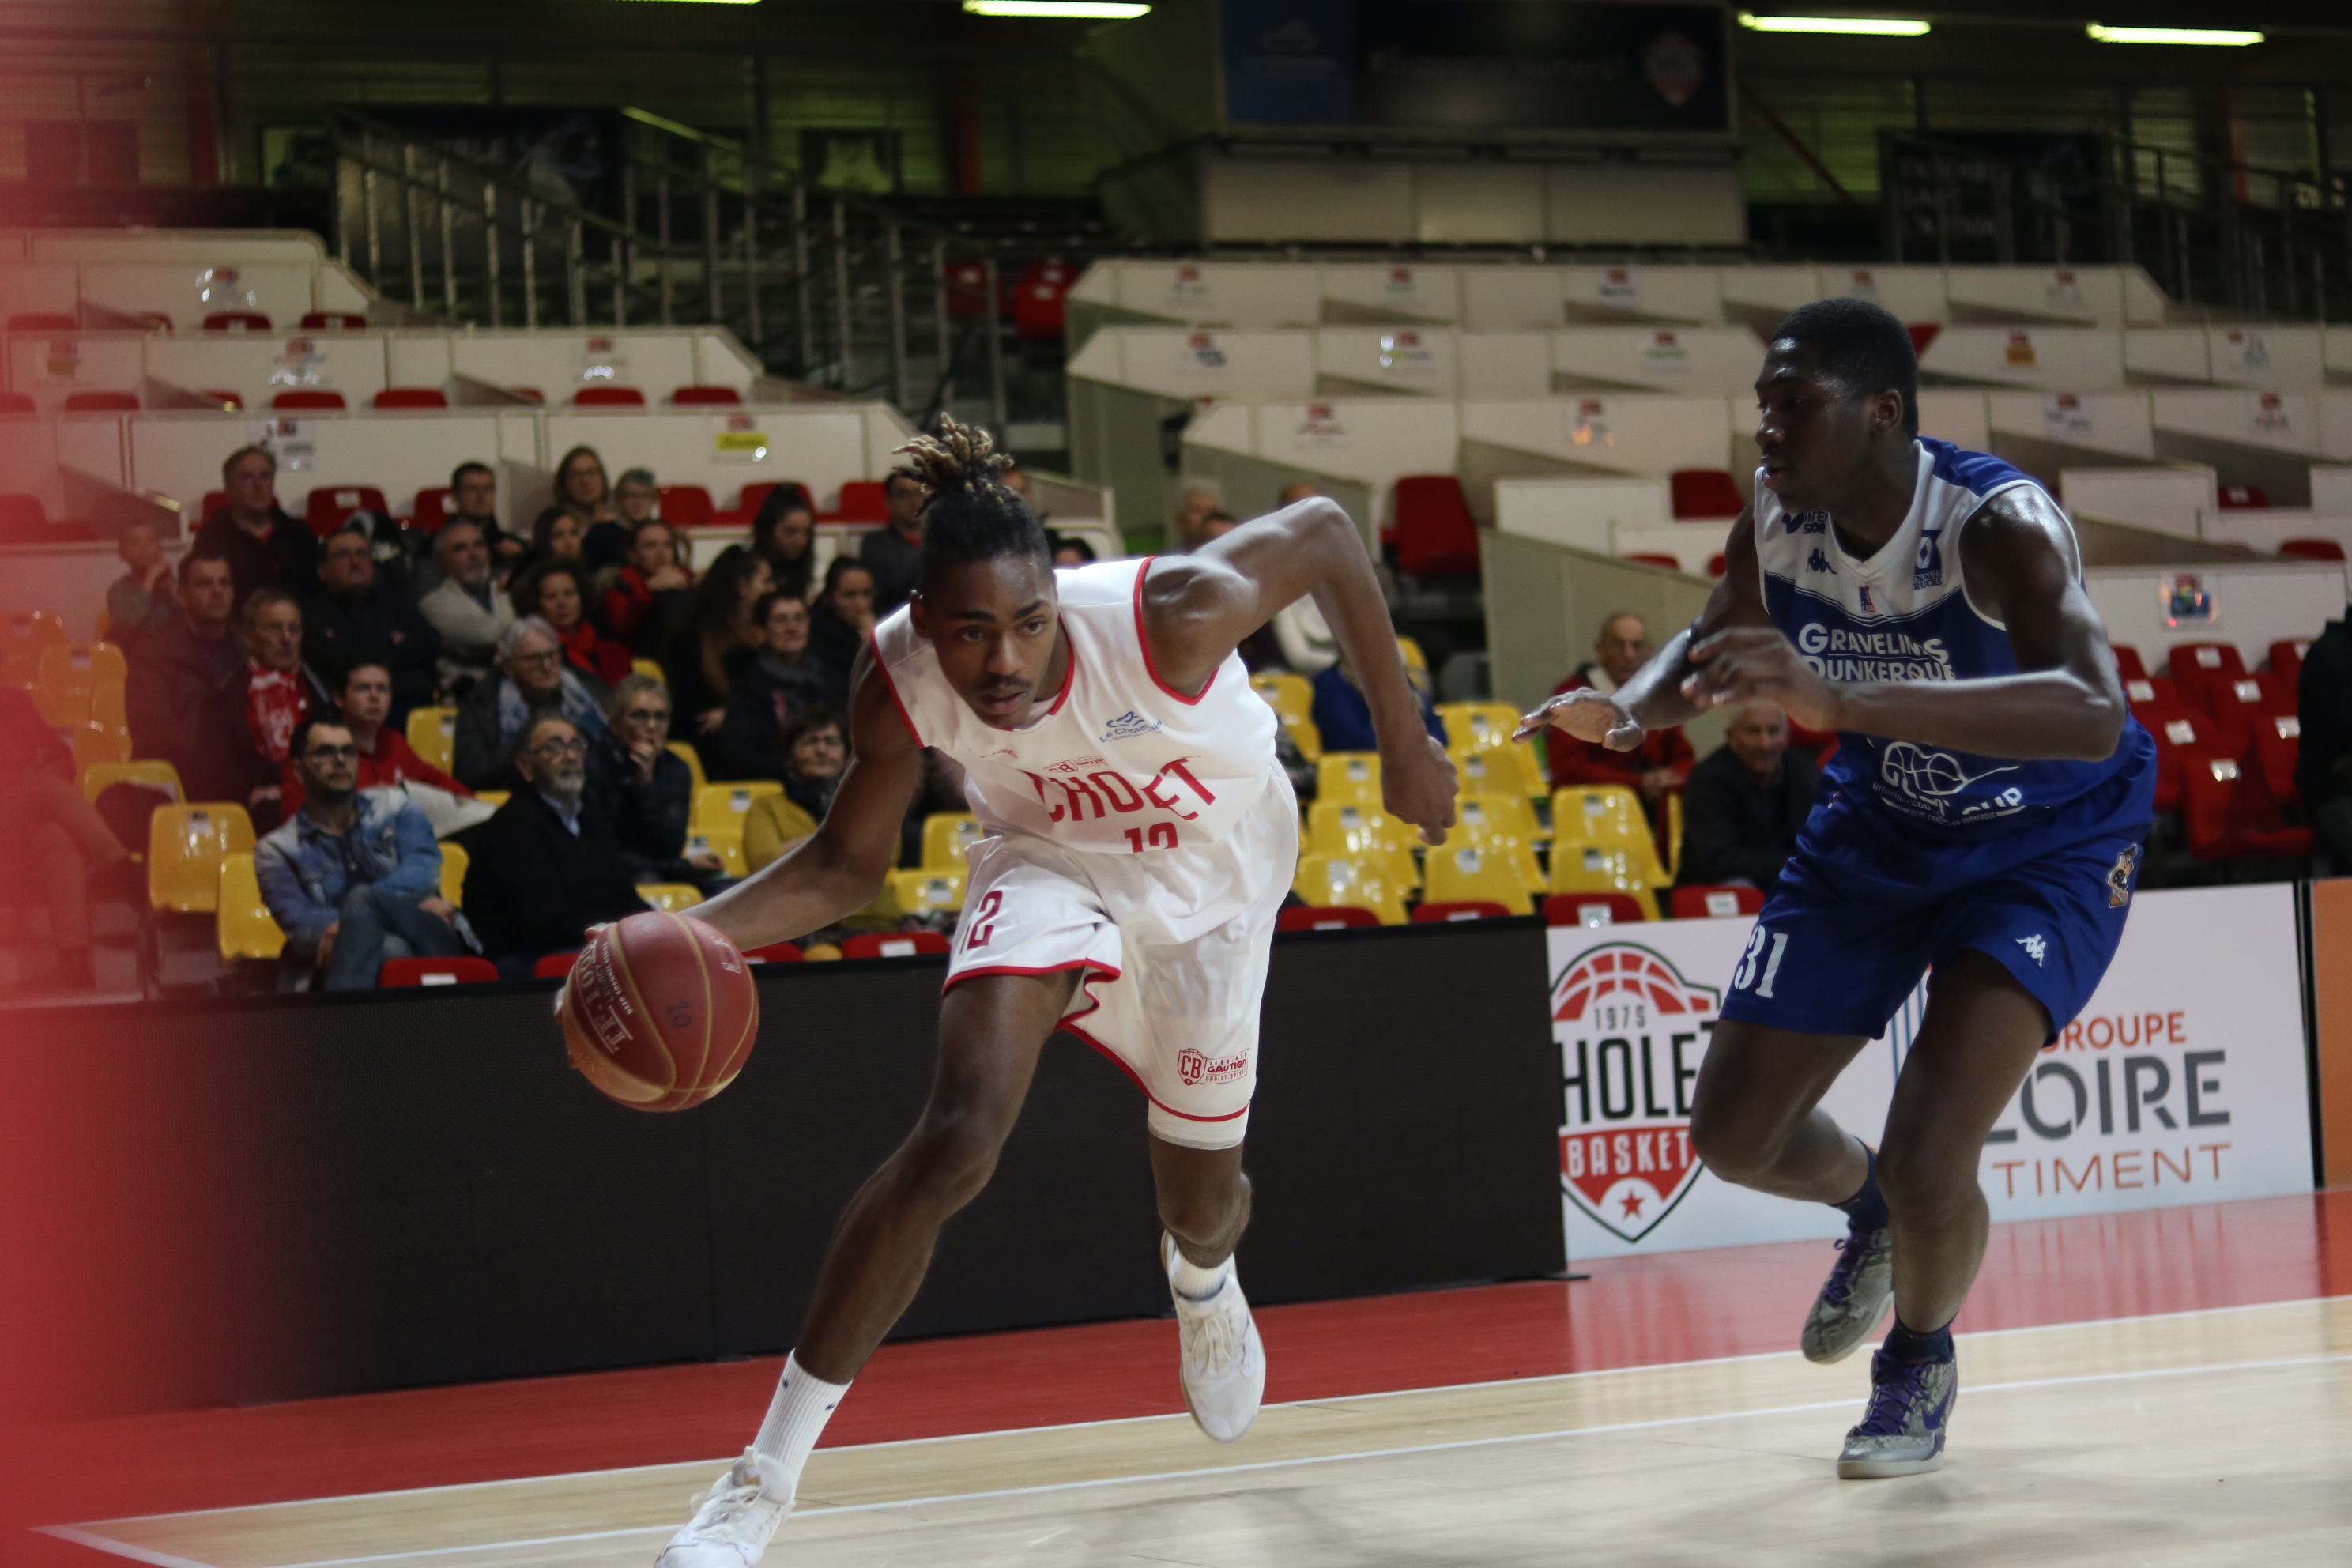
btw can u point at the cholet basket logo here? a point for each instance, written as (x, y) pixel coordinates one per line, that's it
(1630, 1032)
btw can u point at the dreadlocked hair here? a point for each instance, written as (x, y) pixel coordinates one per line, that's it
(970, 514)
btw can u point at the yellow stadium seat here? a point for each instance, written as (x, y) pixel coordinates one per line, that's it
(246, 927)
(99, 745)
(1414, 659)
(669, 897)
(1351, 831)
(184, 846)
(454, 863)
(1589, 869)
(1348, 776)
(433, 735)
(152, 775)
(80, 682)
(1471, 725)
(727, 845)
(1495, 770)
(1500, 823)
(649, 669)
(1292, 698)
(24, 636)
(777, 823)
(727, 804)
(693, 761)
(925, 889)
(1358, 882)
(947, 836)
(1475, 873)
(491, 797)
(1608, 817)
(1673, 835)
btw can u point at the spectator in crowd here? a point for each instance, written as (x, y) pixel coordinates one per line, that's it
(253, 533)
(1744, 805)
(177, 668)
(635, 498)
(771, 685)
(551, 590)
(468, 610)
(816, 754)
(353, 877)
(556, 536)
(548, 865)
(394, 546)
(894, 552)
(784, 534)
(474, 498)
(2323, 766)
(143, 597)
(1344, 718)
(1070, 549)
(1194, 502)
(584, 495)
(841, 622)
(72, 853)
(262, 704)
(534, 681)
(1658, 764)
(649, 596)
(646, 790)
(385, 757)
(357, 618)
(717, 622)
(1300, 632)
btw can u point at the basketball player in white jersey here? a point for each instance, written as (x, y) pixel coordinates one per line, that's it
(1140, 838)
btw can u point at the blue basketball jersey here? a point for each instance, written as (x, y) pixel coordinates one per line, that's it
(1905, 614)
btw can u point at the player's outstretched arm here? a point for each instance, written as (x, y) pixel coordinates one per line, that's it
(2066, 704)
(839, 870)
(1655, 698)
(1198, 608)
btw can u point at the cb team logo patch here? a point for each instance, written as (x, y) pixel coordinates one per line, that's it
(1631, 1031)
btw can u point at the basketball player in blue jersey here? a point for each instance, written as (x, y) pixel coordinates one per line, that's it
(1983, 816)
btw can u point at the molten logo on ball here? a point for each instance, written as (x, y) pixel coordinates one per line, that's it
(664, 1056)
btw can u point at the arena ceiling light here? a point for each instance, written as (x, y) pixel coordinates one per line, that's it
(1085, 10)
(1871, 26)
(2213, 37)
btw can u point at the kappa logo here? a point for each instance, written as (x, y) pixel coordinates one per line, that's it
(2035, 949)
(1631, 1031)
(1126, 727)
(2119, 878)
(1195, 1068)
(1817, 562)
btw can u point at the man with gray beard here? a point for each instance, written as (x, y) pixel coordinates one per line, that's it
(548, 865)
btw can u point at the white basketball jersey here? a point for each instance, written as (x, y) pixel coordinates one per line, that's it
(1117, 762)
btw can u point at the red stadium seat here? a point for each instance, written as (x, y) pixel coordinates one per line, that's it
(893, 944)
(329, 504)
(436, 972)
(1323, 916)
(17, 402)
(529, 394)
(2127, 664)
(1592, 908)
(1651, 558)
(1701, 902)
(2312, 549)
(555, 966)
(1717, 565)
(2153, 698)
(1037, 299)
(2181, 739)
(1707, 493)
(862, 500)
(43, 321)
(228, 400)
(21, 513)
(2197, 665)
(2243, 498)
(431, 509)
(706, 397)
(237, 321)
(101, 403)
(1435, 536)
(411, 397)
(2286, 659)
(1462, 909)
(2235, 706)
(333, 321)
(967, 289)
(2278, 745)
(213, 501)
(686, 506)
(2230, 814)
(315, 400)
(607, 397)
(775, 953)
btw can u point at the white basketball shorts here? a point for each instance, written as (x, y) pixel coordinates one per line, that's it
(1174, 943)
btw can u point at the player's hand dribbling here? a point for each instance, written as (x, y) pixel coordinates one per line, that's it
(1745, 663)
(1589, 715)
(1417, 785)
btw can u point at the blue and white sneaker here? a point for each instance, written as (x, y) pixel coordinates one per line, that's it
(1903, 1432)
(1854, 1299)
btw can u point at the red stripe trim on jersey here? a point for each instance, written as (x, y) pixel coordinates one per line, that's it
(1143, 638)
(1121, 1063)
(897, 702)
(1099, 971)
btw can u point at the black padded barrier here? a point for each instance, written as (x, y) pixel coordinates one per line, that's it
(416, 1189)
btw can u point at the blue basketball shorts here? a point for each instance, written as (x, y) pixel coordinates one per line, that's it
(1829, 958)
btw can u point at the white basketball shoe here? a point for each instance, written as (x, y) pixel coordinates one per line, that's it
(1221, 1363)
(737, 1519)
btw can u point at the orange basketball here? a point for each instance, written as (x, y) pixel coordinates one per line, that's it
(660, 1012)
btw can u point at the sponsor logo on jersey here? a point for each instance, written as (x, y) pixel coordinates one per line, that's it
(1195, 1068)
(1841, 655)
(2119, 878)
(2035, 949)
(1929, 573)
(1631, 1030)
(1817, 562)
(1867, 607)
(1806, 521)
(1927, 782)
(1126, 727)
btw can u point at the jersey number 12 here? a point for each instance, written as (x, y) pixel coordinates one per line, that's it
(1162, 837)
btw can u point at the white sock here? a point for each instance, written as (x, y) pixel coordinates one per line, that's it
(1195, 1283)
(796, 1417)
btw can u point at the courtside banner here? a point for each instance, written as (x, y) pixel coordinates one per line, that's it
(2184, 1082)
